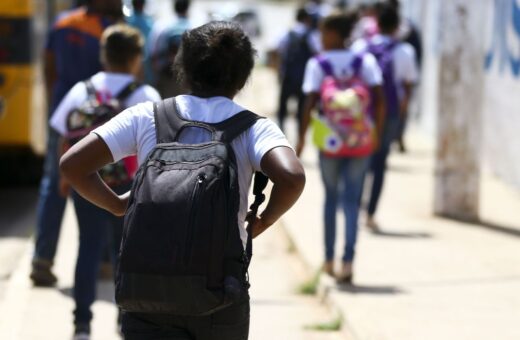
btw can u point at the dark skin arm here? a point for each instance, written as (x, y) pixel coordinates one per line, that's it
(379, 111)
(49, 69)
(286, 172)
(310, 103)
(80, 164)
(408, 88)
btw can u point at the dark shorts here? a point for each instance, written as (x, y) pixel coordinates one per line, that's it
(231, 323)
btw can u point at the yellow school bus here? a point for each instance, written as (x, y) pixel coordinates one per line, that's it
(23, 107)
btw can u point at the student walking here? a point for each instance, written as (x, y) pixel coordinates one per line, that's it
(143, 22)
(71, 55)
(347, 85)
(183, 260)
(165, 40)
(86, 105)
(295, 49)
(397, 62)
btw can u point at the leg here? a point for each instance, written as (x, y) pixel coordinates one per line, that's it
(378, 165)
(285, 94)
(49, 216)
(301, 106)
(93, 232)
(403, 121)
(330, 175)
(353, 174)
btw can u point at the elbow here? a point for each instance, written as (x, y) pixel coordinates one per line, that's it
(294, 179)
(66, 167)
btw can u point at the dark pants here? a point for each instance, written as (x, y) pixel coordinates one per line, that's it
(97, 229)
(288, 91)
(50, 204)
(378, 163)
(231, 323)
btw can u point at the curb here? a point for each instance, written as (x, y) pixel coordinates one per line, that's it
(325, 286)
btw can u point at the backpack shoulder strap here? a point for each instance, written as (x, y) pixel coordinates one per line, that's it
(325, 65)
(229, 129)
(357, 64)
(128, 90)
(91, 90)
(168, 124)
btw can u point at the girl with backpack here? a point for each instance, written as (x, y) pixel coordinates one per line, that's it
(348, 88)
(215, 61)
(88, 104)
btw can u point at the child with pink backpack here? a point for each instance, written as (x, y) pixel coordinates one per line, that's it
(347, 87)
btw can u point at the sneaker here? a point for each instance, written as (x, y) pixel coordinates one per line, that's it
(328, 268)
(346, 274)
(81, 332)
(372, 224)
(41, 274)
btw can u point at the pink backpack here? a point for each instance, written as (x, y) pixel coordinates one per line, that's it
(345, 110)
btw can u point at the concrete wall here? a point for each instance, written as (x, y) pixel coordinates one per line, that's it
(501, 116)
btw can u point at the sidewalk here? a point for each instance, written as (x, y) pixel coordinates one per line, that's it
(422, 277)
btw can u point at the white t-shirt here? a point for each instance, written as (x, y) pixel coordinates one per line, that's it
(405, 66)
(133, 132)
(107, 85)
(341, 62)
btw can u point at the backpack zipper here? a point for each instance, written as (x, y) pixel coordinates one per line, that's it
(199, 185)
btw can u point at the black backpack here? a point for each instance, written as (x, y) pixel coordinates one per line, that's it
(295, 60)
(181, 251)
(94, 113)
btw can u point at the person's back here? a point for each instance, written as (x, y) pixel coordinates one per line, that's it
(294, 50)
(344, 153)
(163, 45)
(397, 59)
(74, 44)
(87, 104)
(71, 55)
(216, 60)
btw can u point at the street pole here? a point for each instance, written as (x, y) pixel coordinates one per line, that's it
(457, 174)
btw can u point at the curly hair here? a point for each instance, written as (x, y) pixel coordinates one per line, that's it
(216, 58)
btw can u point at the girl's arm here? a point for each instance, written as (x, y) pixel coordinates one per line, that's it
(80, 165)
(310, 102)
(286, 172)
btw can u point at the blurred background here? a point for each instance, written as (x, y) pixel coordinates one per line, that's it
(446, 262)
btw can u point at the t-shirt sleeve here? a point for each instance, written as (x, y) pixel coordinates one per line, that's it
(71, 101)
(371, 72)
(410, 73)
(313, 77)
(264, 136)
(120, 133)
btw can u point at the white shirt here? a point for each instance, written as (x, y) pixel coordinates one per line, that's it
(341, 62)
(133, 132)
(107, 85)
(405, 66)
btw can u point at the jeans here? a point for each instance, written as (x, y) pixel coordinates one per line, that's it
(97, 228)
(345, 176)
(50, 203)
(378, 163)
(231, 323)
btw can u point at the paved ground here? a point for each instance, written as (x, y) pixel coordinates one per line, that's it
(422, 277)
(29, 313)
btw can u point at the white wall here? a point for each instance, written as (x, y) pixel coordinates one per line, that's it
(501, 114)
